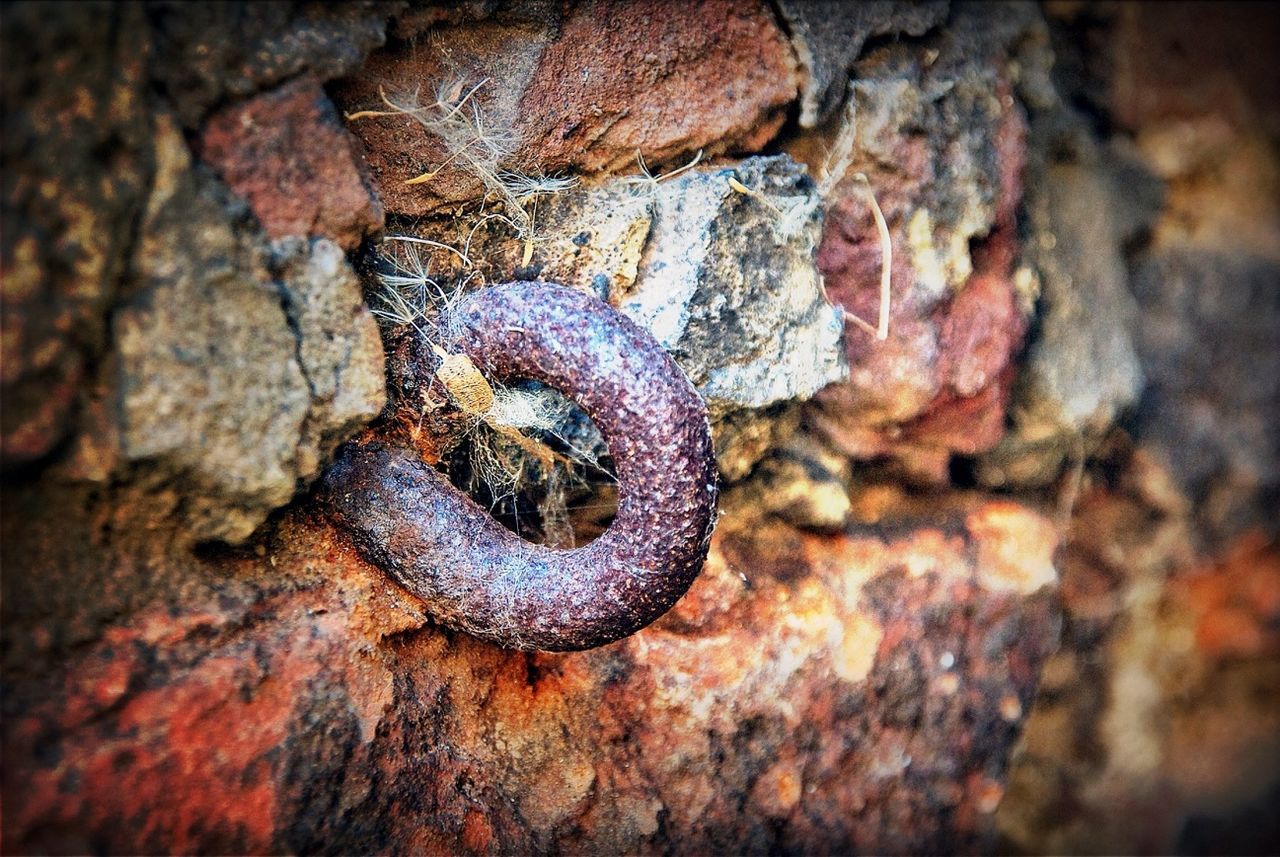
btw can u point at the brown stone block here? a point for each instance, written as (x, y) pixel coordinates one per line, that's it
(288, 156)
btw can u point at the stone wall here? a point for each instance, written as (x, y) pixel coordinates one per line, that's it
(1005, 577)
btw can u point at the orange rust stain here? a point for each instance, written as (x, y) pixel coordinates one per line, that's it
(1229, 631)
(1236, 600)
(477, 834)
(196, 739)
(192, 755)
(779, 789)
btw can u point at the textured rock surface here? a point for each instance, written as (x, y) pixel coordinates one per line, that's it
(184, 343)
(283, 704)
(498, 55)
(803, 482)
(338, 348)
(828, 37)
(286, 154)
(230, 385)
(662, 78)
(1210, 325)
(741, 306)
(209, 383)
(225, 51)
(66, 226)
(586, 92)
(1211, 335)
(1083, 368)
(1156, 726)
(940, 383)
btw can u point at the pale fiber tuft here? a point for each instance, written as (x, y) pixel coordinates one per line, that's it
(503, 456)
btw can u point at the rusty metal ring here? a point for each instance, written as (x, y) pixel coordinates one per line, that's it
(477, 576)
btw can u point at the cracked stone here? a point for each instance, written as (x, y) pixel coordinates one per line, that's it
(288, 156)
(725, 279)
(585, 92)
(949, 188)
(212, 384)
(339, 348)
(828, 37)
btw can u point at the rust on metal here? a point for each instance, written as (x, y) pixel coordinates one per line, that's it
(477, 576)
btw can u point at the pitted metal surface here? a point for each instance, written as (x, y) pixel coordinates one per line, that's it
(477, 576)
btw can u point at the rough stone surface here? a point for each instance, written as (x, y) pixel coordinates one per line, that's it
(584, 93)
(288, 156)
(802, 482)
(292, 700)
(959, 406)
(219, 52)
(1196, 191)
(590, 237)
(67, 225)
(1210, 330)
(1083, 369)
(497, 55)
(283, 696)
(209, 377)
(1155, 729)
(702, 285)
(1210, 336)
(338, 347)
(940, 383)
(1155, 726)
(1085, 206)
(229, 385)
(829, 36)
(724, 280)
(867, 642)
(660, 77)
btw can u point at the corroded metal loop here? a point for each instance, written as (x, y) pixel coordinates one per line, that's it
(478, 576)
